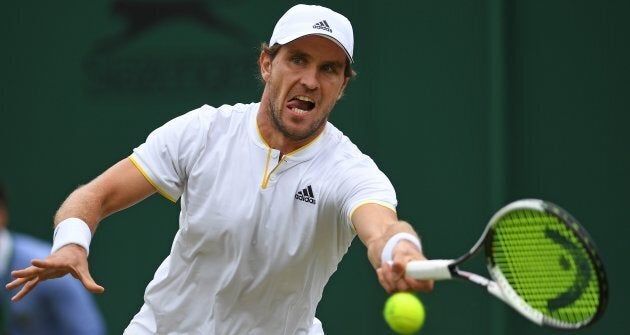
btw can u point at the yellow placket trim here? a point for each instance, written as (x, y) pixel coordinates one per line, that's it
(266, 176)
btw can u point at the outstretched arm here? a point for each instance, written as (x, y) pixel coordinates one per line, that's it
(121, 186)
(376, 225)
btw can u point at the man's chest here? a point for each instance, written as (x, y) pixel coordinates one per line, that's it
(254, 197)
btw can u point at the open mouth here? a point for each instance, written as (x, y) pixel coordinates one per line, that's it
(301, 104)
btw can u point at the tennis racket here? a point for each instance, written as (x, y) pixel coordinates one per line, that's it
(542, 263)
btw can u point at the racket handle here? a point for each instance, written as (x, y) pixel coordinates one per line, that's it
(435, 269)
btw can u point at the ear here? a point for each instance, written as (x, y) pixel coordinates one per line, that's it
(264, 61)
(343, 87)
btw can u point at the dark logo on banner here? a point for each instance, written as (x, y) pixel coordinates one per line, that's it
(149, 56)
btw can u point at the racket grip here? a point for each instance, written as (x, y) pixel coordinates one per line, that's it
(434, 269)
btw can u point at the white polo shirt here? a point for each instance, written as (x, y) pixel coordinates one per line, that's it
(258, 237)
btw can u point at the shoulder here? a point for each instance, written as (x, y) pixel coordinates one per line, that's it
(351, 176)
(342, 152)
(345, 167)
(196, 126)
(205, 116)
(208, 113)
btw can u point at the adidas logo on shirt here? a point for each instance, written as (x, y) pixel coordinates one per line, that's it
(322, 25)
(306, 195)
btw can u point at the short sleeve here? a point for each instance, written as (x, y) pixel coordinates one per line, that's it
(169, 152)
(364, 183)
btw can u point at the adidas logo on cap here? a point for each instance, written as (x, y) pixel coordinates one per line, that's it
(323, 25)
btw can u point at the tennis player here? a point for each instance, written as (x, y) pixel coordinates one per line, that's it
(271, 197)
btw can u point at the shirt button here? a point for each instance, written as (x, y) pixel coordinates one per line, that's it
(274, 155)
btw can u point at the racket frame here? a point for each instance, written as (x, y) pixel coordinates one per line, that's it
(498, 286)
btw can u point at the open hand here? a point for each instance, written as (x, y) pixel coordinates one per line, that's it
(71, 258)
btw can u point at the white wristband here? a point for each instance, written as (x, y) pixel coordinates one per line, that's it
(388, 250)
(72, 230)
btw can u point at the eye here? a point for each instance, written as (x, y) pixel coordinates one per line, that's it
(297, 59)
(329, 68)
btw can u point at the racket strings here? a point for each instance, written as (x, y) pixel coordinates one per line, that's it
(546, 264)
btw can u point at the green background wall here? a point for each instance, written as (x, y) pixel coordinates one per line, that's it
(466, 105)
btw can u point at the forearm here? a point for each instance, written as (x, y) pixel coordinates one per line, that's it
(121, 186)
(84, 204)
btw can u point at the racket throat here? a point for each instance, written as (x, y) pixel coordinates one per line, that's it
(475, 278)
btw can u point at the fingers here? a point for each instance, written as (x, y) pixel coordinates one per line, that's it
(86, 278)
(421, 285)
(17, 282)
(23, 276)
(28, 272)
(30, 278)
(69, 259)
(393, 279)
(81, 272)
(398, 277)
(28, 287)
(382, 274)
(43, 263)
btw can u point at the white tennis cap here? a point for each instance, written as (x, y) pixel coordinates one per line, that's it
(303, 20)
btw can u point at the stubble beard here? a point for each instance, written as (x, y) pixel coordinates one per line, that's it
(278, 124)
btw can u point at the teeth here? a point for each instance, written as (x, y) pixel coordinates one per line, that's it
(304, 98)
(299, 111)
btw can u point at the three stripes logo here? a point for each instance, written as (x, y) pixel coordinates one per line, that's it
(323, 25)
(306, 195)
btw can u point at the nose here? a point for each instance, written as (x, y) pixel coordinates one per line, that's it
(309, 78)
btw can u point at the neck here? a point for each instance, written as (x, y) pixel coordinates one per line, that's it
(274, 137)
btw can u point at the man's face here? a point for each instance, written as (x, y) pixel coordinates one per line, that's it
(303, 83)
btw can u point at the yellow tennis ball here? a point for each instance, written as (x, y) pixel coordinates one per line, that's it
(404, 313)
